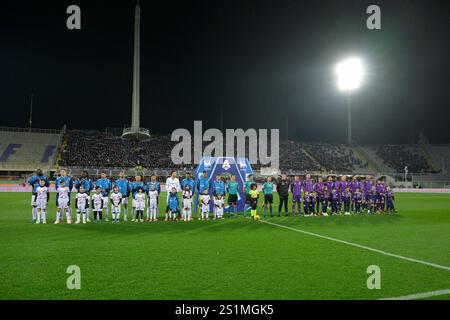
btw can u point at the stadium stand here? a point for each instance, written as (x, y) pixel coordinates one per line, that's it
(374, 160)
(25, 150)
(334, 157)
(103, 149)
(399, 156)
(95, 150)
(293, 157)
(442, 152)
(436, 160)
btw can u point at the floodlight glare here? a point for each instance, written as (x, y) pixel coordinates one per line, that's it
(350, 73)
(349, 76)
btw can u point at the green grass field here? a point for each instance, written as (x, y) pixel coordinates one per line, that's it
(228, 259)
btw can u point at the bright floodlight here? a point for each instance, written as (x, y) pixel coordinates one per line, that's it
(349, 73)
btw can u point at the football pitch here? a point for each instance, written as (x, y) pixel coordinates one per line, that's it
(275, 258)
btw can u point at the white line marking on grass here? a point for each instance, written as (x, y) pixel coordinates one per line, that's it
(421, 295)
(434, 265)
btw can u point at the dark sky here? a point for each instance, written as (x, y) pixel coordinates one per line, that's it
(261, 61)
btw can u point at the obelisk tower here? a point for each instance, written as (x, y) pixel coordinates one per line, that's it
(136, 132)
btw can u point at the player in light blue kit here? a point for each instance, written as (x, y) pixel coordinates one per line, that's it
(218, 188)
(203, 184)
(124, 189)
(106, 186)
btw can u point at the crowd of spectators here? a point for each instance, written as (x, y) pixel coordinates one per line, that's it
(293, 157)
(102, 149)
(94, 148)
(334, 157)
(399, 156)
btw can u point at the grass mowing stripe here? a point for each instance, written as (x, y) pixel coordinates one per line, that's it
(421, 295)
(434, 265)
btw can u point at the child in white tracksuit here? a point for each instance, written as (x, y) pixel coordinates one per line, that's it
(205, 199)
(82, 203)
(187, 203)
(153, 203)
(218, 205)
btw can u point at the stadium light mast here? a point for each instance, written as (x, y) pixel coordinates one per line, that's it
(31, 112)
(349, 75)
(135, 132)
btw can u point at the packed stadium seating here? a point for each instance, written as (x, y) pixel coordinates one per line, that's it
(24, 150)
(293, 158)
(334, 157)
(100, 149)
(399, 156)
(95, 150)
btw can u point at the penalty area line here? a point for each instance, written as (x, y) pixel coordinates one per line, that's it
(434, 265)
(420, 295)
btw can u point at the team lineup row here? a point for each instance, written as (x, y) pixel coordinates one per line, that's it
(316, 198)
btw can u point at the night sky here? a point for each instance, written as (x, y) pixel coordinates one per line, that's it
(261, 61)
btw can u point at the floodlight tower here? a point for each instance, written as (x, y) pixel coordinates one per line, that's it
(349, 75)
(135, 132)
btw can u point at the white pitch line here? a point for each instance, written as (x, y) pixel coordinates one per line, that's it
(421, 295)
(434, 265)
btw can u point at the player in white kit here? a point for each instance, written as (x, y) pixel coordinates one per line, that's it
(152, 212)
(218, 204)
(116, 199)
(63, 203)
(41, 200)
(205, 199)
(172, 182)
(187, 203)
(82, 204)
(97, 205)
(140, 205)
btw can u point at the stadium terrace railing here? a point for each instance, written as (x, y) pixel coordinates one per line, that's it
(25, 167)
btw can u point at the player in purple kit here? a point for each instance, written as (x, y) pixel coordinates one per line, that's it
(340, 186)
(308, 186)
(380, 189)
(296, 189)
(330, 184)
(366, 189)
(319, 189)
(354, 184)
